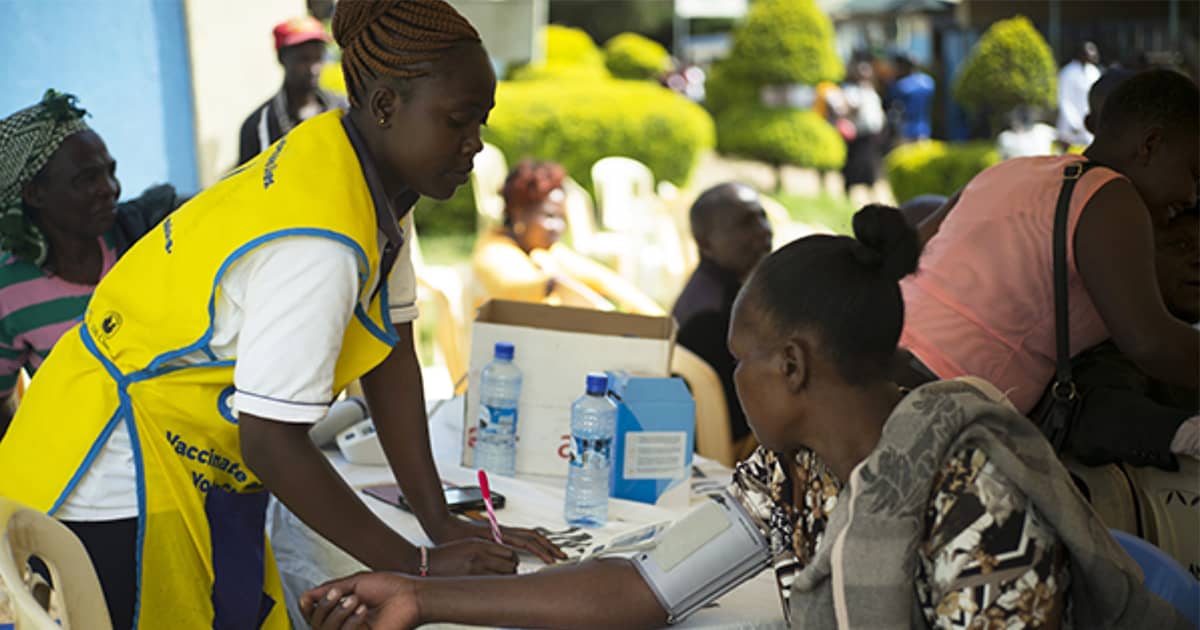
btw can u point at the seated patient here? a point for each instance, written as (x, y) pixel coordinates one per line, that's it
(937, 508)
(732, 234)
(523, 260)
(61, 229)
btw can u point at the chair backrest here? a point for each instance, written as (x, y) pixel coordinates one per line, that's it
(25, 533)
(581, 215)
(1110, 492)
(444, 287)
(624, 187)
(487, 179)
(1164, 576)
(714, 439)
(1170, 509)
(447, 327)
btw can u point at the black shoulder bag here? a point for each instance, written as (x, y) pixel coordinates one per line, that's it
(1095, 423)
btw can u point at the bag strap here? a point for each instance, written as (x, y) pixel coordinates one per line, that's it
(1064, 384)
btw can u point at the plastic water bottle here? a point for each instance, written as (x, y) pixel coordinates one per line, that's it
(499, 391)
(593, 421)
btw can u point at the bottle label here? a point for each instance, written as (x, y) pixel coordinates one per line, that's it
(497, 421)
(590, 452)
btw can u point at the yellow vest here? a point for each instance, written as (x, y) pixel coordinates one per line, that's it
(202, 556)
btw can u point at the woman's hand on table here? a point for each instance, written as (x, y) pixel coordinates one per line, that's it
(472, 556)
(516, 537)
(383, 601)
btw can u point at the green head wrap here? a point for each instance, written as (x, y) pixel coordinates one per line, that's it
(27, 140)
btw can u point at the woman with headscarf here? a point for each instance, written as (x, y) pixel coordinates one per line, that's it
(61, 229)
(222, 335)
(525, 260)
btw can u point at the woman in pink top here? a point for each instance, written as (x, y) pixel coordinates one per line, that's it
(982, 302)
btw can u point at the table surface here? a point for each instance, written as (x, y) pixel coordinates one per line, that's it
(306, 559)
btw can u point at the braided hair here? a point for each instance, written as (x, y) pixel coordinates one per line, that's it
(395, 38)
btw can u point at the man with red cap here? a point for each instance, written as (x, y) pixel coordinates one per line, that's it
(300, 44)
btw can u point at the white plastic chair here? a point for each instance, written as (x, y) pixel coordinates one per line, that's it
(624, 189)
(610, 248)
(25, 532)
(1169, 503)
(442, 288)
(487, 179)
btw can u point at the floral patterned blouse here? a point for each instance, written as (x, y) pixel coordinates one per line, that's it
(988, 561)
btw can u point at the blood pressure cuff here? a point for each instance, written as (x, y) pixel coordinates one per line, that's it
(716, 547)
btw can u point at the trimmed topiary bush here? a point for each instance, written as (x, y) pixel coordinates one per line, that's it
(1010, 66)
(934, 167)
(782, 42)
(632, 56)
(577, 123)
(570, 54)
(780, 136)
(723, 90)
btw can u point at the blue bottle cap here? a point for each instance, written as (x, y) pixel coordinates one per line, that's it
(504, 350)
(597, 383)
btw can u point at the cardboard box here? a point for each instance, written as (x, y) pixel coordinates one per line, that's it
(555, 347)
(655, 437)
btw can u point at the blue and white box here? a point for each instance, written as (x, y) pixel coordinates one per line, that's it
(654, 441)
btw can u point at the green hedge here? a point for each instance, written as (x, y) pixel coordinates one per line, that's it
(1010, 66)
(577, 123)
(780, 136)
(723, 89)
(934, 167)
(632, 56)
(570, 54)
(780, 42)
(783, 42)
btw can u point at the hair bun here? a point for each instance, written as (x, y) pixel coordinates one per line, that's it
(890, 242)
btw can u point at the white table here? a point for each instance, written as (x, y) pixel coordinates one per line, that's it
(307, 559)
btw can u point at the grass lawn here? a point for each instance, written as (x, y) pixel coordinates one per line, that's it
(831, 212)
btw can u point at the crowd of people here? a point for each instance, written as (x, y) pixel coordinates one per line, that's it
(880, 386)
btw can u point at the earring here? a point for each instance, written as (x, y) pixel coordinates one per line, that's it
(519, 227)
(382, 121)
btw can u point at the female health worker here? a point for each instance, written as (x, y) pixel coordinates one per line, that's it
(185, 395)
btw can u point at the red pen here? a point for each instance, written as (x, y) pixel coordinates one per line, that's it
(487, 502)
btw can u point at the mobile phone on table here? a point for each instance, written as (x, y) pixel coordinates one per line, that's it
(458, 499)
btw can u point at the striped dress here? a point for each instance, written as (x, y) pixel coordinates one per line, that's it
(36, 308)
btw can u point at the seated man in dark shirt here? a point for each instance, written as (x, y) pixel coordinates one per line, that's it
(732, 234)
